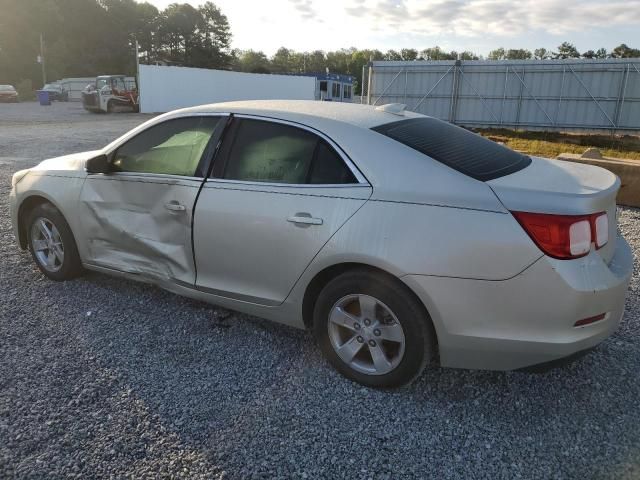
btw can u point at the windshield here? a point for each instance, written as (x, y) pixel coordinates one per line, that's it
(101, 82)
(50, 86)
(460, 149)
(7, 88)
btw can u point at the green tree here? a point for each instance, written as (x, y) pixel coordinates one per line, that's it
(467, 55)
(566, 50)
(314, 61)
(602, 53)
(393, 55)
(497, 54)
(541, 54)
(250, 61)
(518, 54)
(623, 51)
(215, 34)
(432, 53)
(409, 54)
(283, 61)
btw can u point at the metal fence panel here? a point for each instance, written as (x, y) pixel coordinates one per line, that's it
(585, 95)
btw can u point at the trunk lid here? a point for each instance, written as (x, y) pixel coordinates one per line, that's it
(563, 188)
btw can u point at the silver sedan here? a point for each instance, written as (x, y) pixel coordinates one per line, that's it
(397, 239)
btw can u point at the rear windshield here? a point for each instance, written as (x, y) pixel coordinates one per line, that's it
(456, 147)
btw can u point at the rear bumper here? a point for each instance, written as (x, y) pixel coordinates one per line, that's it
(560, 362)
(528, 319)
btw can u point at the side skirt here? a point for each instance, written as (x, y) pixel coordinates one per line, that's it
(276, 313)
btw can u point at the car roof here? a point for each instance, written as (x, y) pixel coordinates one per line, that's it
(305, 111)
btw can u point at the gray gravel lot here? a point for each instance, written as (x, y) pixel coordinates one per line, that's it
(101, 377)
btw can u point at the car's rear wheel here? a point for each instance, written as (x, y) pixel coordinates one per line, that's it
(373, 330)
(51, 243)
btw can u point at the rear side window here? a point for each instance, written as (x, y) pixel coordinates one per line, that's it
(328, 168)
(456, 147)
(272, 152)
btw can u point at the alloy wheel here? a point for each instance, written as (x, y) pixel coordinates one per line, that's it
(47, 244)
(366, 334)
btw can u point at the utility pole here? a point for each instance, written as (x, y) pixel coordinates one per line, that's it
(44, 71)
(137, 60)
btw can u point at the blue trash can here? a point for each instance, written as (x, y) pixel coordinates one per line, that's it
(43, 98)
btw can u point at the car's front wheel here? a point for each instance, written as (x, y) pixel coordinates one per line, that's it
(51, 243)
(373, 330)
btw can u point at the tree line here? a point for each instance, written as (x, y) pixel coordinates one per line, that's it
(91, 37)
(565, 50)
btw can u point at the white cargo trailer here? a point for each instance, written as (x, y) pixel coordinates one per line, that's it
(163, 88)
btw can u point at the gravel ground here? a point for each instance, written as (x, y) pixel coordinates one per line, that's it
(101, 377)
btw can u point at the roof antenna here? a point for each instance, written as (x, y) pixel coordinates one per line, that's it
(395, 108)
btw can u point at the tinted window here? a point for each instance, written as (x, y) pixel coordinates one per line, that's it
(335, 90)
(270, 152)
(328, 168)
(456, 147)
(263, 151)
(173, 147)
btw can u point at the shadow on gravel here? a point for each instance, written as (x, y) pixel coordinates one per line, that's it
(256, 397)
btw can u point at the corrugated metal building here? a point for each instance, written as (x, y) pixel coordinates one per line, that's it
(585, 95)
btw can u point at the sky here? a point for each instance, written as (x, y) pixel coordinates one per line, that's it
(476, 25)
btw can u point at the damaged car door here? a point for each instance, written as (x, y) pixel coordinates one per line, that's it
(137, 218)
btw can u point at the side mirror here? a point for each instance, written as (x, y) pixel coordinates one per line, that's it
(99, 164)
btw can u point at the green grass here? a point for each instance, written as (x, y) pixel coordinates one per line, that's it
(552, 144)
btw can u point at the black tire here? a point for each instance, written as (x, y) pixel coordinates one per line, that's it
(71, 266)
(419, 334)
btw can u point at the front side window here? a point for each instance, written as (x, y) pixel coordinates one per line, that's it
(276, 153)
(174, 147)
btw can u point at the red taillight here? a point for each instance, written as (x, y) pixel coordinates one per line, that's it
(565, 236)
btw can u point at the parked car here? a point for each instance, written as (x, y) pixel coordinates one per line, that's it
(8, 94)
(396, 238)
(56, 92)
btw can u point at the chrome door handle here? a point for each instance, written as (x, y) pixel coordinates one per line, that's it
(174, 207)
(305, 219)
